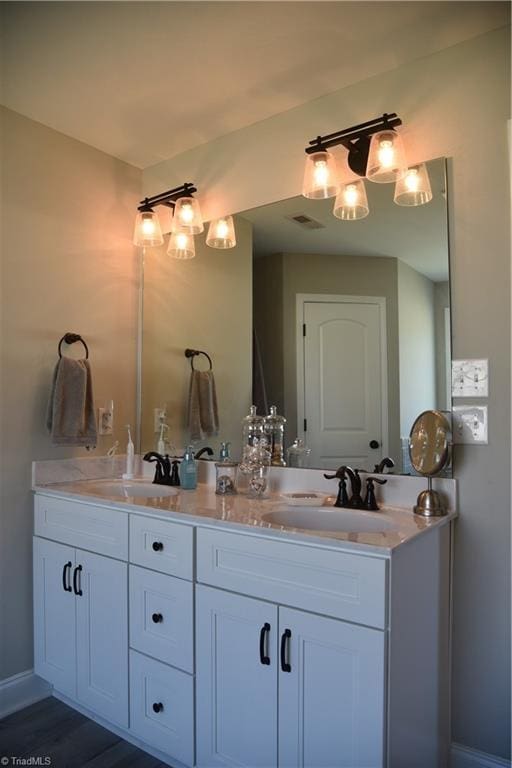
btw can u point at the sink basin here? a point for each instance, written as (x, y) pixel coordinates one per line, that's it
(137, 489)
(331, 519)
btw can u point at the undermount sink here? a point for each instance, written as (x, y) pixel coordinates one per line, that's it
(331, 519)
(136, 489)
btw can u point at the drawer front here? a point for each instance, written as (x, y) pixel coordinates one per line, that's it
(171, 728)
(162, 545)
(161, 617)
(350, 587)
(86, 526)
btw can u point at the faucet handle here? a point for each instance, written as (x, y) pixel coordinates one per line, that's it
(370, 502)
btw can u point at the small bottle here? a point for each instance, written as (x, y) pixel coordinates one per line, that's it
(188, 470)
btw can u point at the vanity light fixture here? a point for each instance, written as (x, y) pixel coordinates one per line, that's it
(221, 233)
(148, 232)
(187, 215)
(414, 187)
(376, 152)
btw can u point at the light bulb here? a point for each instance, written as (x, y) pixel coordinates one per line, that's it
(411, 180)
(386, 153)
(148, 225)
(186, 214)
(222, 228)
(350, 194)
(321, 173)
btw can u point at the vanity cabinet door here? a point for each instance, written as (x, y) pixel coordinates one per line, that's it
(331, 693)
(54, 615)
(102, 636)
(236, 690)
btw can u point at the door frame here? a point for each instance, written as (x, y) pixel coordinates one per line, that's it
(328, 298)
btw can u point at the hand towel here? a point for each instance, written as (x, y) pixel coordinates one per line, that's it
(70, 417)
(203, 416)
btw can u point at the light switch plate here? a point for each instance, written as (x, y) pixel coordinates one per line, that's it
(470, 378)
(469, 425)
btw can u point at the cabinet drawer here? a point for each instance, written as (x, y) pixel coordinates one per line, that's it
(162, 545)
(350, 587)
(161, 617)
(87, 526)
(171, 727)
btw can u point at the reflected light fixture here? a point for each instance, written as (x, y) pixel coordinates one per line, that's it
(148, 232)
(386, 157)
(414, 187)
(351, 202)
(221, 233)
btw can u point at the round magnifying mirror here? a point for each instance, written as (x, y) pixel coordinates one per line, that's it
(429, 449)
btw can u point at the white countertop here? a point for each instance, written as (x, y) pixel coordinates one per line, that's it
(203, 507)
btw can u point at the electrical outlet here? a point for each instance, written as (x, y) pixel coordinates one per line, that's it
(105, 421)
(470, 378)
(159, 415)
(470, 425)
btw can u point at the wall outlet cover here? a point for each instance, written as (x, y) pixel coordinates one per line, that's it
(105, 421)
(470, 378)
(470, 425)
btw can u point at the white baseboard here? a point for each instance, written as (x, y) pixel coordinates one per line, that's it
(463, 757)
(21, 690)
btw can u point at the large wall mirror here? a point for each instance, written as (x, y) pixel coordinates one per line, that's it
(344, 326)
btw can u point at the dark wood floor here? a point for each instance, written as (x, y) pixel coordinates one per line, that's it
(50, 729)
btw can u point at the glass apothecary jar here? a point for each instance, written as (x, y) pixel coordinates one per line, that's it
(274, 432)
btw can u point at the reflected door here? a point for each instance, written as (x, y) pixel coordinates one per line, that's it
(344, 376)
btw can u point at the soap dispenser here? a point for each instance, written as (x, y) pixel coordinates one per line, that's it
(188, 470)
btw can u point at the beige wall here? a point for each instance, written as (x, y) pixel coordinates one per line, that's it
(203, 303)
(67, 264)
(417, 345)
(448, 102)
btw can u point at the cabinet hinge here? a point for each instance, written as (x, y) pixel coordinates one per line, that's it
(304, 329)
(305, 425)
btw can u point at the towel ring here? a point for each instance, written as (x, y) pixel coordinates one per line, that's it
(71, 338)
(191, 353)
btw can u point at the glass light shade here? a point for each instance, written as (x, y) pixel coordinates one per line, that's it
(221, 233)
(414, 187)
(320, 176)
(187, 215)
(181, 245)
(386, 158)
(351, 202)
(147, 230)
